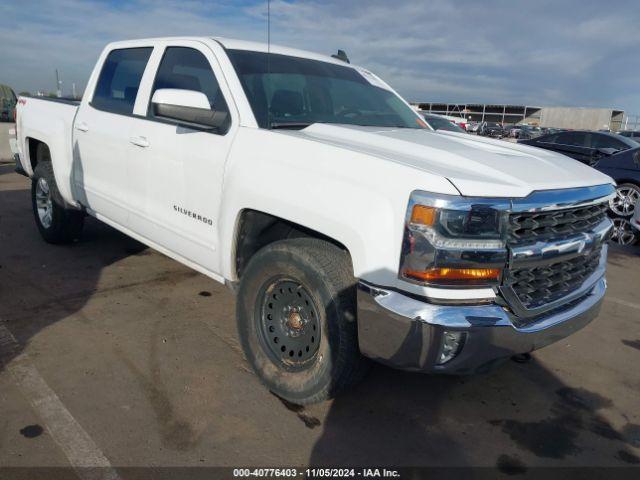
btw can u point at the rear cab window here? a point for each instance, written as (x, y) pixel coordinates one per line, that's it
(119, 80)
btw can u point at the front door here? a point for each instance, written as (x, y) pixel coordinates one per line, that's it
(179, 169)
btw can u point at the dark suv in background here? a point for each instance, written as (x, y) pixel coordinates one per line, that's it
(616, 155)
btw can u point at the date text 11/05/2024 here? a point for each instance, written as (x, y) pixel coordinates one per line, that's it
(316, 472)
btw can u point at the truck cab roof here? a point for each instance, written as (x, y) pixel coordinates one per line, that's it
(233, 44)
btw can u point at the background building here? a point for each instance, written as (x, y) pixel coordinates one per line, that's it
(575, 118)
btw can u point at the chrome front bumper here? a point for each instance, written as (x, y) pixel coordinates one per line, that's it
(407, 333)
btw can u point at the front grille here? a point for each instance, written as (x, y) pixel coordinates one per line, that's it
(539, 286)
(527, 227)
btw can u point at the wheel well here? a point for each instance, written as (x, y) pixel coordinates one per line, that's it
(630, 180)
(258, 229)
(35, 154)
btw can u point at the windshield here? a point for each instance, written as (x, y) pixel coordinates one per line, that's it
(297, 92)
(439, 123)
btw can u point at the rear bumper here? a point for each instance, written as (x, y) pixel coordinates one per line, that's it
(407, 333)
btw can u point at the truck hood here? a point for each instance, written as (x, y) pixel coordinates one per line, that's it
(476, 166)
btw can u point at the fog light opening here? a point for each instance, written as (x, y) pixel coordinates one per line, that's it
(452, 342)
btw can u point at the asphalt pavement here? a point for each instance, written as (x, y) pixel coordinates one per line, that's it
(113, 353)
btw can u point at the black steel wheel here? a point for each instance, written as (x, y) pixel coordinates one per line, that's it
(289, 324)
(296, 314)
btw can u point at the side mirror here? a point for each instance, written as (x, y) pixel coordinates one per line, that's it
(186, 106)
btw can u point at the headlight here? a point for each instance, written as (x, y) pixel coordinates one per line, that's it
(454, 241)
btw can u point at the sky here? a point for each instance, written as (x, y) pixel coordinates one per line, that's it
(536, 52)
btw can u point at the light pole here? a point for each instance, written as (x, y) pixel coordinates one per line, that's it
(58, 85)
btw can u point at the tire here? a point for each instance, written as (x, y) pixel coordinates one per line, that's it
(623, 204)
(325, 285)
(61, 225)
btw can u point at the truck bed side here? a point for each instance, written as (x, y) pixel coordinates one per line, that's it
(49, 121)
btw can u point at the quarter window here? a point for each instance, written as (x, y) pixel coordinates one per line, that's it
(119, 80)
(605, 141)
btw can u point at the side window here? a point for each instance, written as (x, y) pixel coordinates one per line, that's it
(605, 141)
(562, 138)
(188, 69)
(576, 139)
(119, 80)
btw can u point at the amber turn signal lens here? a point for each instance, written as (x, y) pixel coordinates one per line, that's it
(422, 215)
(455, 275)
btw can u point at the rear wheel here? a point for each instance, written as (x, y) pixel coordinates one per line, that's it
(622, 232)
(296, 314)
(56, 223)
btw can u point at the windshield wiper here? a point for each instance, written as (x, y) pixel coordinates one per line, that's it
(292, 125)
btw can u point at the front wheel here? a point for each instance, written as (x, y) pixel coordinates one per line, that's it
(296, 315)
(624, 203)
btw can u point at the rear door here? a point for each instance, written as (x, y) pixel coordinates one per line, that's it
(178, 169)
(101, 134)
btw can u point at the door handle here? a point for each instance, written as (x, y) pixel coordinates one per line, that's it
(139, 141)
(83, 127)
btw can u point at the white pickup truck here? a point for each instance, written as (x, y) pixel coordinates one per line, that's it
(347, 227)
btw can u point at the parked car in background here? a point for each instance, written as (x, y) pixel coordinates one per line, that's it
(472, 127)
(514, 131)
(585, 146)
(7, 103)
(635, 221)
(460, 121)
(633, 134)
(438, 122)
(491, 129)
(624, 168)
(508, 129)
(616, 156)
(528, 132)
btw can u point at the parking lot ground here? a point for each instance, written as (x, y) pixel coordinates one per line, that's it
(141, 353)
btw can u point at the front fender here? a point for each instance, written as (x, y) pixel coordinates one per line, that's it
(354, 198)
